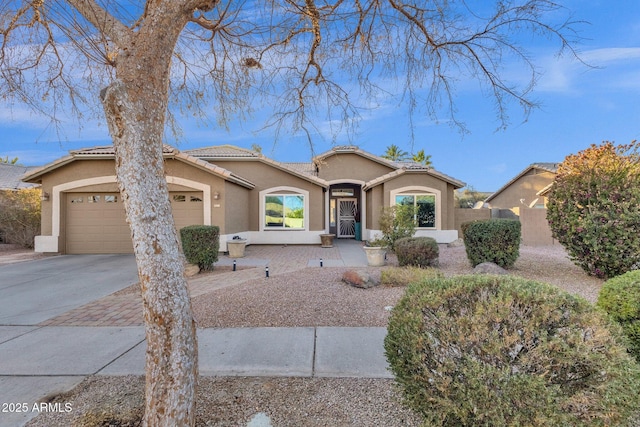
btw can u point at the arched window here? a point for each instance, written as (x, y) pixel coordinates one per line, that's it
(426, 202)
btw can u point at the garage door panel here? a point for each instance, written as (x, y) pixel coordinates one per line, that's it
(100, 226)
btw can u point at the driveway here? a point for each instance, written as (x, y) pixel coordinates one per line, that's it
(34, 291)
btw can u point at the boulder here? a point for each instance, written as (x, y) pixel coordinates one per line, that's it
(489, 268)
(191, 270)
(456, 243)
(360, 279)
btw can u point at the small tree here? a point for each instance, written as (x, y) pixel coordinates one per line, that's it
(396, 222)
(20, 216)
(594, 208)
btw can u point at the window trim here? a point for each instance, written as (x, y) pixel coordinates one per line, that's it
(283, 191)
(416, 190)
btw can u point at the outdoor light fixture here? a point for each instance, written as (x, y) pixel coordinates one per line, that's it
(266, 272)
(216, 195)
(45, 196)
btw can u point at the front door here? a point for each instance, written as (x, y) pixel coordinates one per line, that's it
(347, 209)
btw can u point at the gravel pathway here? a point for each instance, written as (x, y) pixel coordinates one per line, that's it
(307, 297)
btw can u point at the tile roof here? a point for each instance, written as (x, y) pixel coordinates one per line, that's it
(11, 177)
(303, 167)
(222, 151)
(108, 150)
(227, 152)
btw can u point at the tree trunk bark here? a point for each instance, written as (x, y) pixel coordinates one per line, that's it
(136, 124)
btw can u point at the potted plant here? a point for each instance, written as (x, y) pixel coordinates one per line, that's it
(376, 251)
(327, 240)
(236, 246)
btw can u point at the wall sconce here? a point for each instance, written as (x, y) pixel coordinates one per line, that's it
(45, 196)
(216, 195)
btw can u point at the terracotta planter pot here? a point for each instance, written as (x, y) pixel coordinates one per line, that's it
(327, 240)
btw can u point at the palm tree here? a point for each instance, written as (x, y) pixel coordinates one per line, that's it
(395, 154)
(9, 161)
(422, 158)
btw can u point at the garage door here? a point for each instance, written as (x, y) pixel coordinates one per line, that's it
(95, 222)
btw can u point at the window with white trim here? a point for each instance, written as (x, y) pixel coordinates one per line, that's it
(424, 205)
(284, 211)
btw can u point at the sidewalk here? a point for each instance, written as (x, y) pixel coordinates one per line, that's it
(304, 352)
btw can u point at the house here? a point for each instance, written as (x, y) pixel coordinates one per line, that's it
(523, 189)
(246, 194)
(524, 198)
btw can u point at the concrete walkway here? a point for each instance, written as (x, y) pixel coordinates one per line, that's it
(38, 359)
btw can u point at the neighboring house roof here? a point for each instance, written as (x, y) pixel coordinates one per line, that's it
(230, 152)
(108, 152)
(545, 166)
(11, 177)
(399, 167)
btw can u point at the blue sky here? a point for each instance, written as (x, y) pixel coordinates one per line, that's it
(580, 106)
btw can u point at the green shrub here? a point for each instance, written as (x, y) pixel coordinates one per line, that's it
(620, 298)
(505, 351)
(396, 222)
(417, 251)
(402, 276)
(200, 244)
(492, 240)
(594, 209)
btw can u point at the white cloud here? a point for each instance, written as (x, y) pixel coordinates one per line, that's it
(599, 57)
(22, 116)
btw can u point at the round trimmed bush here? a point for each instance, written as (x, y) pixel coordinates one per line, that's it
(200, 244)
(620, 298)
(417, 251)
(492, 240)
(504, 351)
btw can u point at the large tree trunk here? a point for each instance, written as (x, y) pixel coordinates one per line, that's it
(135, 106)
(137, 127)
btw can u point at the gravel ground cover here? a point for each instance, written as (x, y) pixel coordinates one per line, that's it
(307, 297)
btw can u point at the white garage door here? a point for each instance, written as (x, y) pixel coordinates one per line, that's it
(95, 222)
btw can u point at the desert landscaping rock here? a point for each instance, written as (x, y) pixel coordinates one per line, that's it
(456, 243)
(360, 279)
(489, 268)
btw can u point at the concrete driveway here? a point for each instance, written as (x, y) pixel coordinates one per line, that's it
(36, 361)
(34, 291)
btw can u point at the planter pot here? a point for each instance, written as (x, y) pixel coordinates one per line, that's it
(236, 248)
(327, 240)
(375, 255)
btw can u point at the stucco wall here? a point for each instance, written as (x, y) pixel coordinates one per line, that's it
(265, 176)
(352, 166)
(237, 212)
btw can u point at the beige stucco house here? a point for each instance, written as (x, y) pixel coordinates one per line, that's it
(244, 193)
(523, 190)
